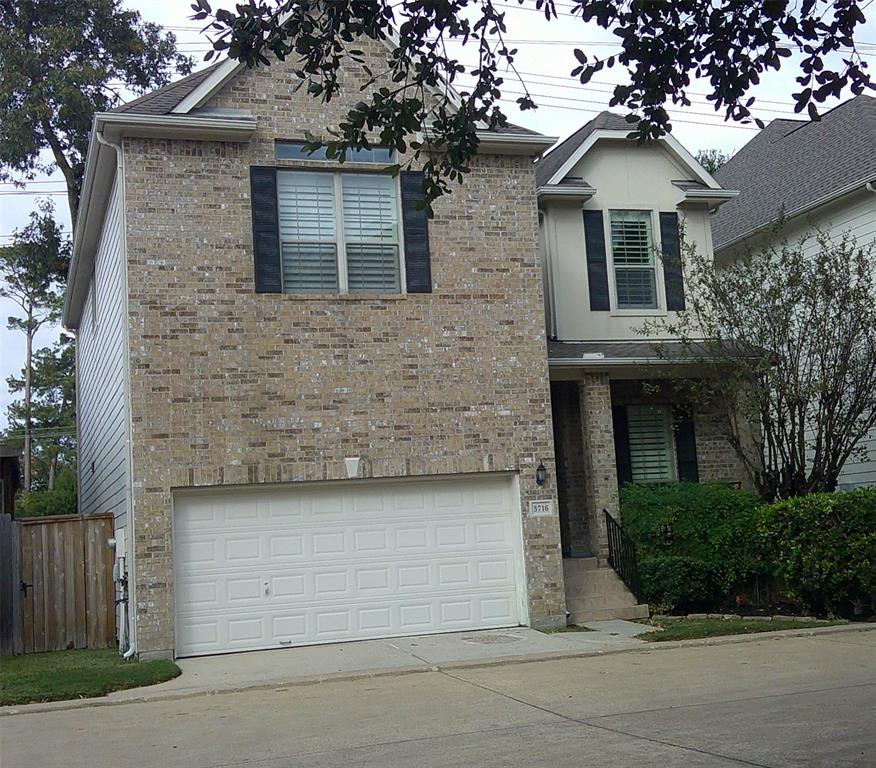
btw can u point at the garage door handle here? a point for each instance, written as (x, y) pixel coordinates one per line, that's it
(285, 642)
(267, 589)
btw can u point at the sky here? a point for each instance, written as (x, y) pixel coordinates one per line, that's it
(544, 61)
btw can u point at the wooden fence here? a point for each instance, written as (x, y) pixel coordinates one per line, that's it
(56, 584)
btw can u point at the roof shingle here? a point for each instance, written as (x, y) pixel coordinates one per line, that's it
(162, 100)
(548, 165)
(791, 164)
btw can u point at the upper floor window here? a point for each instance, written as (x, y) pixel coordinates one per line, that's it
(339, 232)
(633, 257)
(294, 150)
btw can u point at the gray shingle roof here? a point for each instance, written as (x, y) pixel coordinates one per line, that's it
(553, 160)
(163, 100)
(793, 163)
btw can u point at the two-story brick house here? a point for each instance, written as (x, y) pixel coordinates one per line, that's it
(318, 415)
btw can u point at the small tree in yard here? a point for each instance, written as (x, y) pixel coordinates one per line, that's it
(790, 356)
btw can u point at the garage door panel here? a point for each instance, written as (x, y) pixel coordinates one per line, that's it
(273, 567)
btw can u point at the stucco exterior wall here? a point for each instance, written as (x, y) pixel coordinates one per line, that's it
(233, 387)
(626, 176)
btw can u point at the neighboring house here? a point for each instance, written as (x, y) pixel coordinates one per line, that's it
(609, 207)
(316, 414)
(817, 176)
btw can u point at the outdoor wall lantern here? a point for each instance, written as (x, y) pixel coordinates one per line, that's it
(540, 474)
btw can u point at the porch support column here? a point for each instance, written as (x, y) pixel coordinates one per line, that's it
(600, 468)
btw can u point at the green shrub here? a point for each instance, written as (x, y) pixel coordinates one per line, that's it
(61, 500)
(697, 543)
(675, 583)
(823, 547)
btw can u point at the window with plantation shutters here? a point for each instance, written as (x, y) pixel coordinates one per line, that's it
(339, 232)
(308, 232)
(650, 444)
(371, 233)
(632, 253)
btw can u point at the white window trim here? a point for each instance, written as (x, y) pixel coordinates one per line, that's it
(337, 190)
(659, 288)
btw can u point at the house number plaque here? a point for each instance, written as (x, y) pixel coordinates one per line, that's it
(544, 508)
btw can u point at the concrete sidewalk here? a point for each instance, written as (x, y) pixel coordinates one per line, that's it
(772, 700)
(376, 657)
(228, 673)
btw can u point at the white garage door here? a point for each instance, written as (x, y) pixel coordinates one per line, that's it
(294, 565)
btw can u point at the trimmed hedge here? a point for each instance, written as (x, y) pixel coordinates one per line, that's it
(699, 546)
(823, 548)
(697, 543)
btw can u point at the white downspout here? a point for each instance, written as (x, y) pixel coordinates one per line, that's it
(128, 616)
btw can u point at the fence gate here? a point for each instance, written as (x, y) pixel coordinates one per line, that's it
(64, 584)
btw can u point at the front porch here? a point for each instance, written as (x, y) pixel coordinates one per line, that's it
(612, 428)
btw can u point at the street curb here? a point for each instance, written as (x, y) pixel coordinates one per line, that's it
(532, 658)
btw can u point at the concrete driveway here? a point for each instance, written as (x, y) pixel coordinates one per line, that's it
(794, 701)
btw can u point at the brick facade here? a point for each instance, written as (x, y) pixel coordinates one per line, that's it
(717, 462)
(233, 387)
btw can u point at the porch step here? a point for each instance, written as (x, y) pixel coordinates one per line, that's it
(594, 592)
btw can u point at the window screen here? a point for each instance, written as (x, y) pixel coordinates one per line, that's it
(632, 251)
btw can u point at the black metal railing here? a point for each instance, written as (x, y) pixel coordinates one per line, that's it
(622, 554)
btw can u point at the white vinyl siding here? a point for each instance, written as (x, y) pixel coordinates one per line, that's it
(338, 232)
(651, 454)
(100, 360)
(632, 252)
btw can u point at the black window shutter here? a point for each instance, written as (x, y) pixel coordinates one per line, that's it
(686, 445)
(622, 444)
(415, 224)
(265, 230)
(597, 269)
(673, 276)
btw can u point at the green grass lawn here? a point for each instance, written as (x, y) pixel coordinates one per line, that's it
(75, 675)
(570, 628)
(679, 628)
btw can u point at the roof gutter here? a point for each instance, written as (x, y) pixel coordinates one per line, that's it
(514, 143)
(864, 183)
(565, 192)
(612, 362)
(100, 167)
